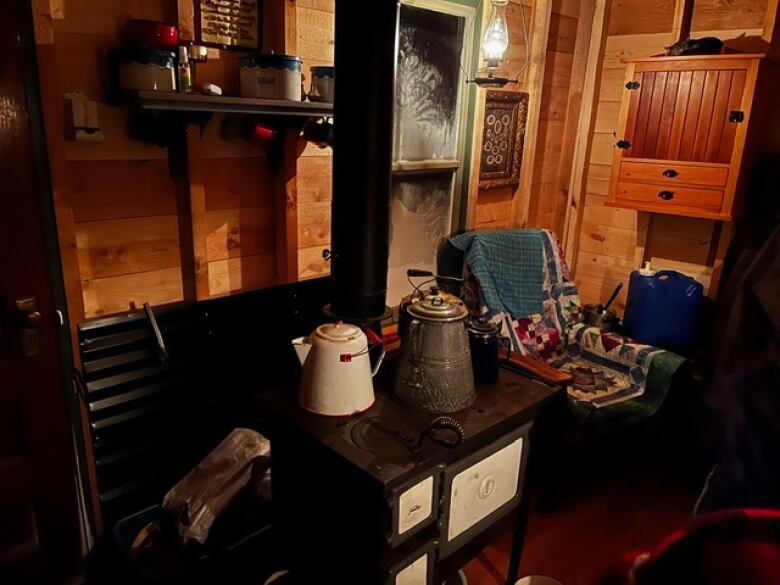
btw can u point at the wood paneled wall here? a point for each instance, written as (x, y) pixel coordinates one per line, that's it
(494, 206)
(118, 195)
(315, 22)
(497, 208)
(117, 204)
(609, 236)
(548, 193)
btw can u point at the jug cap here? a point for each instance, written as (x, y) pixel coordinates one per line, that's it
(438, 308)
(338, 331)
(646, 270)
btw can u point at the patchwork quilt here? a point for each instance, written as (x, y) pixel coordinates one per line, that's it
(608, 368)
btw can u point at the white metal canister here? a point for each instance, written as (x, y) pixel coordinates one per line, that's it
(271, 76)
(146, 69)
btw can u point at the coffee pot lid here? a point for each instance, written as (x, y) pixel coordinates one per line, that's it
(435, 307)
(338, 331)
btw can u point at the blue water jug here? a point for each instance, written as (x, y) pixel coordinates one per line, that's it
(662, 308)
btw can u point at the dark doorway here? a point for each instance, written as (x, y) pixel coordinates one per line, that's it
(39, 530)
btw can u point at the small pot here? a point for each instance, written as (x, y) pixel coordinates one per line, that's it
(597, 316)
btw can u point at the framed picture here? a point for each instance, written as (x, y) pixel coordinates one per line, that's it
(229, 23)
(503, 132)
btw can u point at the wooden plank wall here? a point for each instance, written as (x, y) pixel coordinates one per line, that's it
(548, 196)
(494, 207)
(315, 37)
(121, 203)
(609, 235)
(118, 194)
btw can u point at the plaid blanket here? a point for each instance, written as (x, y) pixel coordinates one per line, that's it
(509, 267)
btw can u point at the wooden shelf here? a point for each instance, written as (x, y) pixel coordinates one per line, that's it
(177, 102)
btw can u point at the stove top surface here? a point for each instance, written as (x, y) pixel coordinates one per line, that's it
(389, 440)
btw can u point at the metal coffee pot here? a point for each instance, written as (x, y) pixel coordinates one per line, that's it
(434, 371)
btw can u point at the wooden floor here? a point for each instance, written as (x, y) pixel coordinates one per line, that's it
(595, 523)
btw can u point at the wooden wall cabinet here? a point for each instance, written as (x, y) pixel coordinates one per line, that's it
(690, 130)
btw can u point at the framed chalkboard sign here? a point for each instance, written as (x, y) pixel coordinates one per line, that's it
(229, 23)
(503, 131)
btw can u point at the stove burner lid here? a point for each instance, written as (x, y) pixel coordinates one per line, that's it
(385, 437)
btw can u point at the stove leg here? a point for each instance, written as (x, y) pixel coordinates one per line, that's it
(518, 535)
(458, 578)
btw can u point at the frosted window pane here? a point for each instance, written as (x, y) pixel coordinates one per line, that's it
(421, 209)
(428, 85)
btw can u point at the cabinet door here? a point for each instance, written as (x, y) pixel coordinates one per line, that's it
(684, 113)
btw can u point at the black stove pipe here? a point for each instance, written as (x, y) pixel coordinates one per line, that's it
(365, 59)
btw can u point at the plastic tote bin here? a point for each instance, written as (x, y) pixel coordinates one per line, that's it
(246, 552)
(662, 308)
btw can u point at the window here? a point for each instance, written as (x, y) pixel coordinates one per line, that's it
(429, 147)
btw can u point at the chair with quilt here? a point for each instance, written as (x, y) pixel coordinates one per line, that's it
(519, 279)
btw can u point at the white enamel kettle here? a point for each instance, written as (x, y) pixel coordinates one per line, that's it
(337, 374)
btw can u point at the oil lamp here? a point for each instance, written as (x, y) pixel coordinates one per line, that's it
(494, 44)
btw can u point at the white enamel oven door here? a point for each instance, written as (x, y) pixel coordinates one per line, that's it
(481, 488)
(415, 568)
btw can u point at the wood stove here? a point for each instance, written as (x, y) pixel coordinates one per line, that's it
(380, 498)
(386, 496)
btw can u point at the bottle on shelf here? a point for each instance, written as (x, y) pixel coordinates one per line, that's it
(185, 71)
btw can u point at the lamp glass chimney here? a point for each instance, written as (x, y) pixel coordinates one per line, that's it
(496, 39)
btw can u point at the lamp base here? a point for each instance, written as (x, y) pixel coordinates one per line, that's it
(491, 77)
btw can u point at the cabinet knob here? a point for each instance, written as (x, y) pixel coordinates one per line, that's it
(670, 173)
(666, 195)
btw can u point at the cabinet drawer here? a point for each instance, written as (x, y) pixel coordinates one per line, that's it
(671, 173)
(660, 196)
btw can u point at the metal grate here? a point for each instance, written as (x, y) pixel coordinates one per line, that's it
(150, 420)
